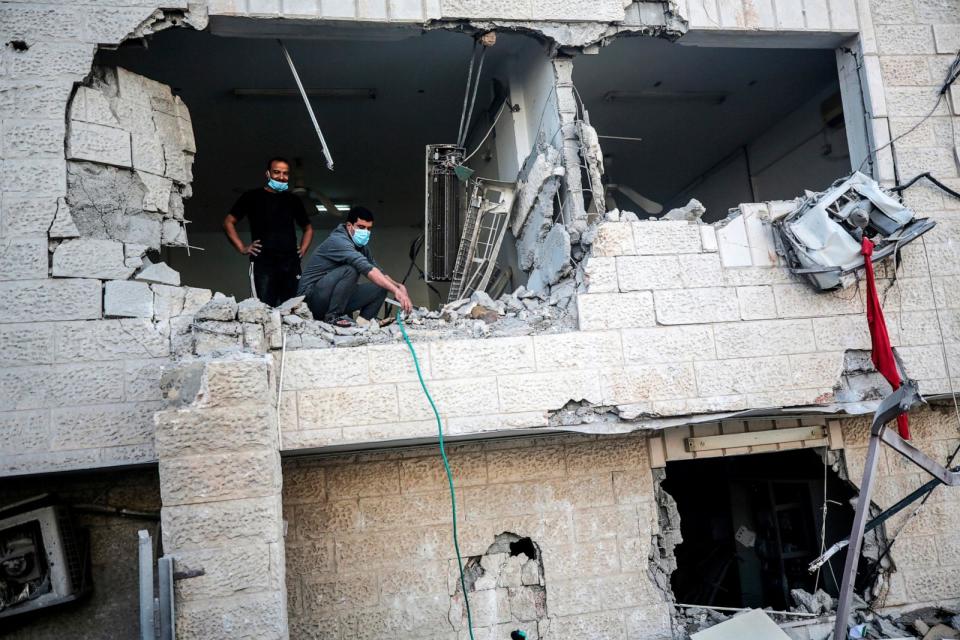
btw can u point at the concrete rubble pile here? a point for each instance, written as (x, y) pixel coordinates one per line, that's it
(815, 619)
(223, 324)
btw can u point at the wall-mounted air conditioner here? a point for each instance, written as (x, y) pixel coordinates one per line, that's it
(44, 558)
(444, 203)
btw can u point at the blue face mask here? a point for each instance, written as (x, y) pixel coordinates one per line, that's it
(276, 185)
(361, 237)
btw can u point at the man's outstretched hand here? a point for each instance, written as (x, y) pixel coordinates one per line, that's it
(404, 299)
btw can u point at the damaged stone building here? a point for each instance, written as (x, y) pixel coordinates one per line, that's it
(655, 410)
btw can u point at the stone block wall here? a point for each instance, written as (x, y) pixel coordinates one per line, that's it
(220, 485)
(370, 554)
(419, 11)
(927, 551)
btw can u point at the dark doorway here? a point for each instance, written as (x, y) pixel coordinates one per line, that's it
(752, 524)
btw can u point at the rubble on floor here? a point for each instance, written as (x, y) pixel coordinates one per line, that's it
(812, 619)
(223, 325)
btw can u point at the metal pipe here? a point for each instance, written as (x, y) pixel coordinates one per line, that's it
(168, 629)
(306, 101)
(145, 557)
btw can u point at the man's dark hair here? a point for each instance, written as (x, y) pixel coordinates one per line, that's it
(359, 213)
(277, 159)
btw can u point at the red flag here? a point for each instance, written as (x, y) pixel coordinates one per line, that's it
(882, 354)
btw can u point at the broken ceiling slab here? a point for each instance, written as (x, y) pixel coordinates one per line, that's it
(821, 238)
(754, 624)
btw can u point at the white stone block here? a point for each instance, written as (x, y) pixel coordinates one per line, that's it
(22, 344)
(26, 214)
(614, 239)
(638, 273)
(464, 397)
(757, 302)
(90, 258)
(393, 363)
(601, 274)
(406, 10)
(742, 375)
(342, 405)
(98, 143)
(843, 15)
(696, 306)
(578, 350)
(547, 391)
(817, 13)
(23, 258)
(668, 344)
(801, 301)
(733, 244)
(339, 8)
(28, 137)
(763, 251)
(323, 368)
(127, 299)
(110, 340)
(301, 8)
(90, 105)
(700, 270)
(372, 9)
(816, 370)
(147, 153)
(708, 237)
(763, 338)
(615, 310)
(158, 188)
(471, 358)
(664, 237)
(49, 299)
(648, 382)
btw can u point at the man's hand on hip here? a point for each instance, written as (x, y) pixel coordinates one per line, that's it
(252, 249)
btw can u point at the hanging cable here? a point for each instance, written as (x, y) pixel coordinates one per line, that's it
(446, 467)
(466, 92)
(489, 131)
(473, 100)
(953, 72)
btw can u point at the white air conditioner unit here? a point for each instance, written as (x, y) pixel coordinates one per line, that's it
(44, 558)
(444, 204)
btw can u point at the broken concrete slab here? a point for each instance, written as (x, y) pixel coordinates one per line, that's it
(691, 211)
(754, 624)
(220, 307)
(252, 310)
(159, 273)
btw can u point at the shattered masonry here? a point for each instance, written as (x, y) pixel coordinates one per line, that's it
(627, 328)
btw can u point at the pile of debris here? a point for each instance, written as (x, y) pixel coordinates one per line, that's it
(812, 619)
(223, 324)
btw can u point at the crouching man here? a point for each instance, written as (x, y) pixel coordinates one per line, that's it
(330, 281)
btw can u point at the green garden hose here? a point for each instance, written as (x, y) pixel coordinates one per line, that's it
(446, 466)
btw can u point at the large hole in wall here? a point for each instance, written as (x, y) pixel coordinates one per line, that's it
(752, 524)
(723, 125)
(381, 94)
(505, 587)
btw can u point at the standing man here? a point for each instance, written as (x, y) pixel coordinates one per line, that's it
(330, 280)
(273, 250)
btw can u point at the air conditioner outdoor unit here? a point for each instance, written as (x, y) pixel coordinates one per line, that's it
(44, 558)
(444, 203)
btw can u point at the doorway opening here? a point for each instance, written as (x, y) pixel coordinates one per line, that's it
(752, 524)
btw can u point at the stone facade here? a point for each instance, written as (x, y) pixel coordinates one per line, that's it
(369, 550)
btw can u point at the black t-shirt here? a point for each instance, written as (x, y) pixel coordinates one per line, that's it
(272, 218)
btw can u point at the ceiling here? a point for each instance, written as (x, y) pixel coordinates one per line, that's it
(684, 136)
(377, 144)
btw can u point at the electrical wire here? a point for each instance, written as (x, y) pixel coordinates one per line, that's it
(489, 131)
(446, 467)
(953, 72)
